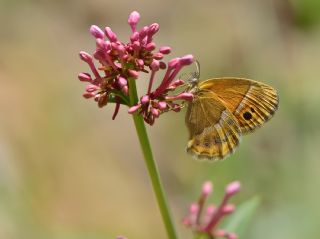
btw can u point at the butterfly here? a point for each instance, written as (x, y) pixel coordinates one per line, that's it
(224, 109)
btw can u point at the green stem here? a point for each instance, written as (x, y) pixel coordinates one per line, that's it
(151, 164)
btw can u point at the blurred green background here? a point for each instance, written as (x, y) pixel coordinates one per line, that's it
(68, 171)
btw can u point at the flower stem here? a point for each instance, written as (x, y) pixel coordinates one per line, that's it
(151, 164)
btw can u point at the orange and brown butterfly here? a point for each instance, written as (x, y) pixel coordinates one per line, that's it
(224, 109)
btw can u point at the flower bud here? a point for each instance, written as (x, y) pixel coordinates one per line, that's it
(165, 50)
(186, 60)
(150, 46)
(145, 99)
(133, 20)
(134, 37)
(158, 56)
(85, 56)
(155, 65)
(110, 34)
(153, 29)
(133, 73)
(96, 32)
(228, 209)
(122, 82)
(134, 108)
(207, 188)
(88, 95)
(173, 63)
(162, 105)
(84, 77)
(233, 188)
(140, 62)
(155, 112)
(91, 88)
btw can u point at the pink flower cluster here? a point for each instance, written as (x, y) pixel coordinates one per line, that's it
(119, 62)
(205, 220)
(158, 101)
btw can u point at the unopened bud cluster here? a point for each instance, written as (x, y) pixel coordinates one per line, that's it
(118, 62)
(205, 220)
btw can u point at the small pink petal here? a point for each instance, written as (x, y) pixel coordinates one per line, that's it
(150, 46)
(96, 32)
(162, 105)
(145, 99)
(134, 108)
(209, 212)
(220, 233)
(125, 90)
(85, 56)
(133, 73)
(165, 50)
(99, 55)
(91, 88)
(207, 187)
(88, 95)
(133, 20)
(233, 188)
(84, 77)
(153, 28)
(118, 47)
(186, 60)
(228, 209)
(185, 96)
(110, 34)
(122, 81)
(155, 65)
(140, 62)
(143, 32)
(100, 43)
(158, 56)
(173, 63)
(177, 83)
(155, 112)
(136, 45)
(134, 36)
(194, 208)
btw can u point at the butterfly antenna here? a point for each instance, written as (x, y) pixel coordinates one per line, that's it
(197, 73)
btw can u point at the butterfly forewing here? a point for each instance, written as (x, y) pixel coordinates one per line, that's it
(252, 103)
(213, 131)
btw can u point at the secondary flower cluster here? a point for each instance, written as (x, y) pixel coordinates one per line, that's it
(205, 220)
(119, 62)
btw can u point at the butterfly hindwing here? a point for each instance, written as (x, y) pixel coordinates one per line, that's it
(214, 132)
(252, 103)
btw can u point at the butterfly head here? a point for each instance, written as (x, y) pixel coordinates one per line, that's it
(194, 77)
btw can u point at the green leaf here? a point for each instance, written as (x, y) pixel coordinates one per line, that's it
(241, 218)
(121, 98)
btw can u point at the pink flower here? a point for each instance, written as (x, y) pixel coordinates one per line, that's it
(113, 62)
(205, 220)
